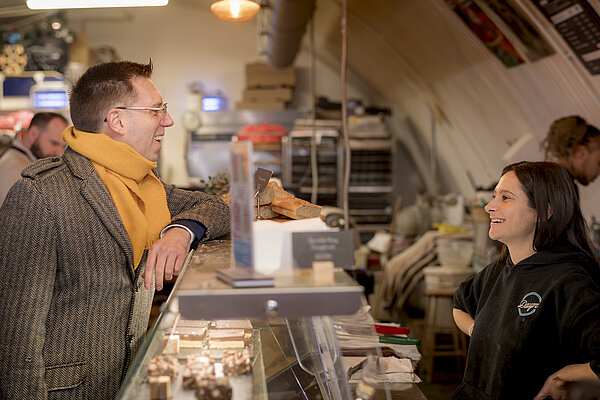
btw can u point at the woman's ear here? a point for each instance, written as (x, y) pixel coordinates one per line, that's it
(549, 211)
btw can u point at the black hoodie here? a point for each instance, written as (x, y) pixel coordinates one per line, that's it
(531, 319)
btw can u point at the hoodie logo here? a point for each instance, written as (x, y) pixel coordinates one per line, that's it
(531, 301)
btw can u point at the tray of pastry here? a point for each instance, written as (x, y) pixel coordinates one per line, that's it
(203, 359)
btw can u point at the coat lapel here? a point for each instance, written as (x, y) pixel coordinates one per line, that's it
(95, 193)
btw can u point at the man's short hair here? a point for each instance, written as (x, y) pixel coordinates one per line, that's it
(566, 135)
(42, 119)
(102, 87)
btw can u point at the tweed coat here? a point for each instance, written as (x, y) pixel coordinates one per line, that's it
(73, 311)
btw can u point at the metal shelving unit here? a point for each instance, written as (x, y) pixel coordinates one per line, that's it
(372, 172)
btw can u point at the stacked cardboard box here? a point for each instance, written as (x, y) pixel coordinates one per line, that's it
(267, 88)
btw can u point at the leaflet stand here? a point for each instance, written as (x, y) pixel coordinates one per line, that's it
(243, 190)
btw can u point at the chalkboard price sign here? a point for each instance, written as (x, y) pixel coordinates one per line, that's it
(310, 247)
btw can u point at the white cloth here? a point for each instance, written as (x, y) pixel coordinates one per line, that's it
(391, 369)
(12, 163)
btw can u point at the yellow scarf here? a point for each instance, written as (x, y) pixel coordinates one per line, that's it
(138, 194)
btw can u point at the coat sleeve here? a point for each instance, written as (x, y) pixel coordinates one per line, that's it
(28, 269)
(209, 210)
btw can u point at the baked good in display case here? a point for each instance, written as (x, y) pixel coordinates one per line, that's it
(214, 389)
(163, 366)
(236, 362)
(243, 324)
(226, 338)
(197, 368)
(190, 336)
(160, 387)
(203, 359)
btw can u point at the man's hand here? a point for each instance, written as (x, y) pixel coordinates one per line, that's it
(166, 256)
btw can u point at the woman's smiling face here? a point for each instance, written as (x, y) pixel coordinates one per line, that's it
(513, 220)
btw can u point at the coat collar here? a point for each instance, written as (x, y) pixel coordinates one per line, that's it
(95, 193)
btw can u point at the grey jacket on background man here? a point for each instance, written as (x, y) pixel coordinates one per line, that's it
(67, 306)
(12, 162)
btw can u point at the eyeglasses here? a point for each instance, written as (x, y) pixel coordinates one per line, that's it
(163, 108)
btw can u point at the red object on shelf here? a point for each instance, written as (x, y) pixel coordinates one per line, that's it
(391, 330)
(262, 133)
(22, 118)
(263, 128)
(260, 138)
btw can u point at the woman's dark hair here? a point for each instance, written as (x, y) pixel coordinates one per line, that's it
(551, 193)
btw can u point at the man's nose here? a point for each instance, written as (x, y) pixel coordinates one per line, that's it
(167, 120)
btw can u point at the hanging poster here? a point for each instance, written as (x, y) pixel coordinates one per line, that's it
(579, 25)
(487, 31)
(515, 24)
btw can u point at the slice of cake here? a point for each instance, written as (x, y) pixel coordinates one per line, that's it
(160, 387)
(193, 323)
(226, 339)
(190, 337)
(244, 324)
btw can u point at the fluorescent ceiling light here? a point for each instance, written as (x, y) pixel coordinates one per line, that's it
(57, 4)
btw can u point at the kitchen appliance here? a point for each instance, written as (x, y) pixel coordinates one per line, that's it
(207, 149)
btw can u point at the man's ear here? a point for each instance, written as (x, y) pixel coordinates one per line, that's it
(30, 136)
(114, 122)
(582, 152)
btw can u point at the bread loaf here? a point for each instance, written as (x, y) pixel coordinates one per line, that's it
(278, 191)
(266, 196)
(266, 212)
(274, 200)
(295, 208)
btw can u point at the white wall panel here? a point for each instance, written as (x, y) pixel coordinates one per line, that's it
(488, 106)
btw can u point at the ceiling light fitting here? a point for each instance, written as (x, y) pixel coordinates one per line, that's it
(235, 10)
(61, 4)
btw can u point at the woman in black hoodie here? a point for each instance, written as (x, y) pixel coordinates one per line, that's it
(534, 314)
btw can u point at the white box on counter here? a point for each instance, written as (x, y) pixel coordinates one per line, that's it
(272, 243)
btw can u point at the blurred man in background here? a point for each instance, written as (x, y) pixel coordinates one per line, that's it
(42, 139)
(574, 144)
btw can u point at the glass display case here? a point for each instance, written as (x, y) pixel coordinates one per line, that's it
(257, 343)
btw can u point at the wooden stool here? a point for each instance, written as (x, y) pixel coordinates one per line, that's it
(431, 348)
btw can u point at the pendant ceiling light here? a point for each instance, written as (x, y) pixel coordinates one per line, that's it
(235, 10)
(60, 4)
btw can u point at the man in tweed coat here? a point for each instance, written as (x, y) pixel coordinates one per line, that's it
(77, 278)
